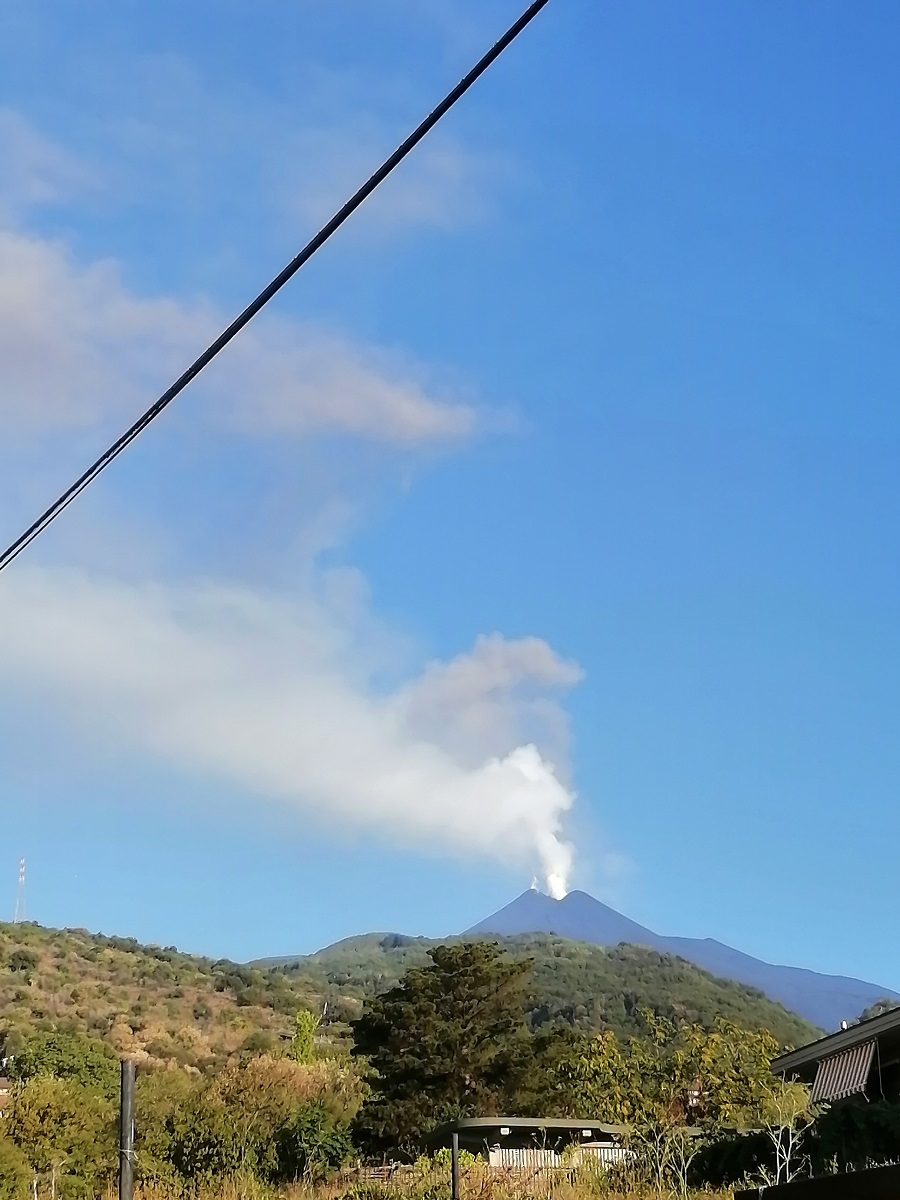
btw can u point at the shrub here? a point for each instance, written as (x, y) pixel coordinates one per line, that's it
(204, 1142)
(66, 1056)
(310, 1146)
(22, 960)
(854, 1138)
(15, 1174)
(66, 1132)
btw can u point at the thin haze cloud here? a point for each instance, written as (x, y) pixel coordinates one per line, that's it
(76, 344)
(445, 187)
(36, 171)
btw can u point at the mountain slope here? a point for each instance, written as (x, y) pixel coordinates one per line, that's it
(824, 1000)
(159, 1005)
(590, 987)
(155, 1004)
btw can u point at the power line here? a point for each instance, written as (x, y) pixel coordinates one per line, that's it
(59, 505)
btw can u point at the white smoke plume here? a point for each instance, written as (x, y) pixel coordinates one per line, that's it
(275, 695)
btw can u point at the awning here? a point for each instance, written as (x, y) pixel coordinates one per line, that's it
(843, 1074)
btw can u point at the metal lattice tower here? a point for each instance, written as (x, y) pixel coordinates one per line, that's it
(20, 894)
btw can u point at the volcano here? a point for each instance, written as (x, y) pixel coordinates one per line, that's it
(825, 1000)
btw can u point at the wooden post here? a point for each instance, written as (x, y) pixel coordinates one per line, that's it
(126, 1131)
(454, 1165)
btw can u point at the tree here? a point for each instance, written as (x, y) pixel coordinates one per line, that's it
(22, 960)
(598, 1080)
(878, 1009)
(15, 1174)
(159, 1097)
(731, 1068)
(787, 1114)
(73, 1056)
(697, 1077)
(449, 1041)
(303, 1042)
(670, 1088)
(66, 1131)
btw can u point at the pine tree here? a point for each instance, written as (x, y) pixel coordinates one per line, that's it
(449, 1041)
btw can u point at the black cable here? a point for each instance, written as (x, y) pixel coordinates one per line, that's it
(59, 505)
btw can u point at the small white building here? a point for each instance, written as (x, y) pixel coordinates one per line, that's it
(537, 1144)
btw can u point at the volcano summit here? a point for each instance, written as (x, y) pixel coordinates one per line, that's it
(826, 1000)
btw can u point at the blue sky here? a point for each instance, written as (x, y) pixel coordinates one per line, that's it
(582, 437)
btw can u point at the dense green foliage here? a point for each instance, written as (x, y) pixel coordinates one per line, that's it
(850, 1137)
(270, 1118)
(735, 1158)
(845, 1137)
(66, 1131)
(449, 1041)
(15, 1172)
(676, 1075)
(589, 987)
(273, 1118)
(65, 1055)
(303, 1043)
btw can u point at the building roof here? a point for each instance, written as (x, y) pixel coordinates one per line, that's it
(551, 1124)
(883, 1029)
(477, 1132)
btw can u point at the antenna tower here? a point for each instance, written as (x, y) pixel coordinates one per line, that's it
(20, 894)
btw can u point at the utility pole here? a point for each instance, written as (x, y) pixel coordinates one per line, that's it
(126, 1131)
(19, 914)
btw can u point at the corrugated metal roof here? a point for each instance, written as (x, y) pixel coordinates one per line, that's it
(845, 1074)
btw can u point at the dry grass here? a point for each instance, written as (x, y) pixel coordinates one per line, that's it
(478, 1183)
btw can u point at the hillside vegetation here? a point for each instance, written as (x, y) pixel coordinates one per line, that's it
(589, 987)
(155, 1004)
(160, 1005)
